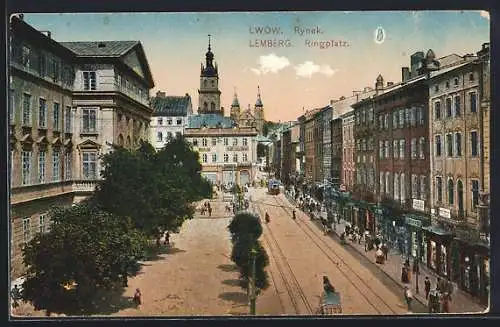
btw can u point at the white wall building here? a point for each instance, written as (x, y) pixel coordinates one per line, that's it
(170, 117)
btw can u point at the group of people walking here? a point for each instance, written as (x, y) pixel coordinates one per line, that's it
(206, 207)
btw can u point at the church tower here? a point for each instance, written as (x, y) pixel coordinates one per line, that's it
(259, 113)
(209, 93)
(235, 108)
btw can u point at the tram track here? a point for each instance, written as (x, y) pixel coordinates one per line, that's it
(342, 266)
(292, 285)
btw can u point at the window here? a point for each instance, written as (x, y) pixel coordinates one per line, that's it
(26, 56)
(402, 187)
(395, 148)
(474, 144)
(226, 141)
(387, 183)
(42, 61)
(395, 119)
(458, 144)
(475, 193)
(204, 142)
(89, 118)
(439, 189)
(67, 166)
(235, 141)
(437, 110)
(421, 148)
(401, 118)
(473, 102)
(214, 141)
(160, 121)
(41, 166)
(89, 81)
(436, 88)
(450, 191)
(26, 230)
(226, 157)
(169, 136)
(56, 165)
(90, 165)
(41, 223)
(245, 157)
(471, 77)
(205, 157)
(67, 119)
(26, 109)
(214, 157)
(448, 107)
(413, 116)
(386, 121)
(235, 157)
(169, 121)
(387, 149)
(381, 182)
(212, 106)
(364, 144)
(380, 122)
(245, 141)
(26, 172)
(12, 106)
(195, 142)
(455, 82)
(438, 145)
(42, 113)
(159, 137)
(457, 106)
(423, 193)
(396, 186)
(447, 84)
(179, 121)
(413, 148)
(414, 186)
(449, 145)
(381, 149)
(401, 149)
(56, 115)
(460, 198)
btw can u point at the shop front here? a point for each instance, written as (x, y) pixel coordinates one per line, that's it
(417, 245)
(438, 242)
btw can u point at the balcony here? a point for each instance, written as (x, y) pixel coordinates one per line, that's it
(84, 186)
(26, 193)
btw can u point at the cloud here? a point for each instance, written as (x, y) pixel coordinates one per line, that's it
(485, 14)
(309, 68)
(270, 64)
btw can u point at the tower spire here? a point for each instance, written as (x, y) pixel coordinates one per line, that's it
(209, 42)
(259, 101)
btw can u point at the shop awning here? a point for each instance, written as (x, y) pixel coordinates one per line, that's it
(437, 230)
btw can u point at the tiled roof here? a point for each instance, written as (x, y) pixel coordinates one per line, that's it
(100, 48)
(171, 105)
(444, 71)
(210, 121)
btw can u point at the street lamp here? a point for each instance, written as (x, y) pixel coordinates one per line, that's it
(253, 294)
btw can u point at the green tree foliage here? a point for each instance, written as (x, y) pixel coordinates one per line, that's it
(155, 189)
(87, 248)
(245, 229)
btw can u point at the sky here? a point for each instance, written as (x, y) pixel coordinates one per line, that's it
(312, 57)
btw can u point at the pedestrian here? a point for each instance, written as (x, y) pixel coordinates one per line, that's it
(167, 238)
(385, 250)
(209, 211)
(438, 285)
(137, 297)
(15, 295)
(449, 288)
(427, 287)
(408, 297)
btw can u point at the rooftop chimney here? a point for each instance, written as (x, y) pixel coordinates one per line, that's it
(405, 74)
(160, 94)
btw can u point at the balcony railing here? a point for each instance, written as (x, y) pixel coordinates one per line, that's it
(84, 186)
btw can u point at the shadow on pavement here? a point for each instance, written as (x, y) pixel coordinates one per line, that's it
(227, 268)
(231, 282)
(237, 297)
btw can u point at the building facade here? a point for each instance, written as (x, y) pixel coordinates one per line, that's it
(326, 151)
(249, 118)
(336, 151)
(66, 108)
(348, 150)
(286, 156)
(310, 146)
(228, 152)
(456, 165)
(170, 117)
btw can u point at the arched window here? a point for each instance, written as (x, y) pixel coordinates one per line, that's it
(460, 198)
(402, 188)
(120, 140)
(128, 141)
(212, 106)
(450, 191)
(205, 105)
(396, 186)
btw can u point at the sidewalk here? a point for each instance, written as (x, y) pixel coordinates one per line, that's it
(461, 302)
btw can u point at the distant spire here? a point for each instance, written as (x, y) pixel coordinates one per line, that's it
(209, 42)
(259, 101)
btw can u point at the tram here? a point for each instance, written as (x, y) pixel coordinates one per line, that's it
(273, 187)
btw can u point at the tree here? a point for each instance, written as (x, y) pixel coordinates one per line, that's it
(86, 250)
(245, 229)
(155, 189)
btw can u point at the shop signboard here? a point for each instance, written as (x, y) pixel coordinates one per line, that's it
(418, 205)
(413, 222)
(445, 213)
